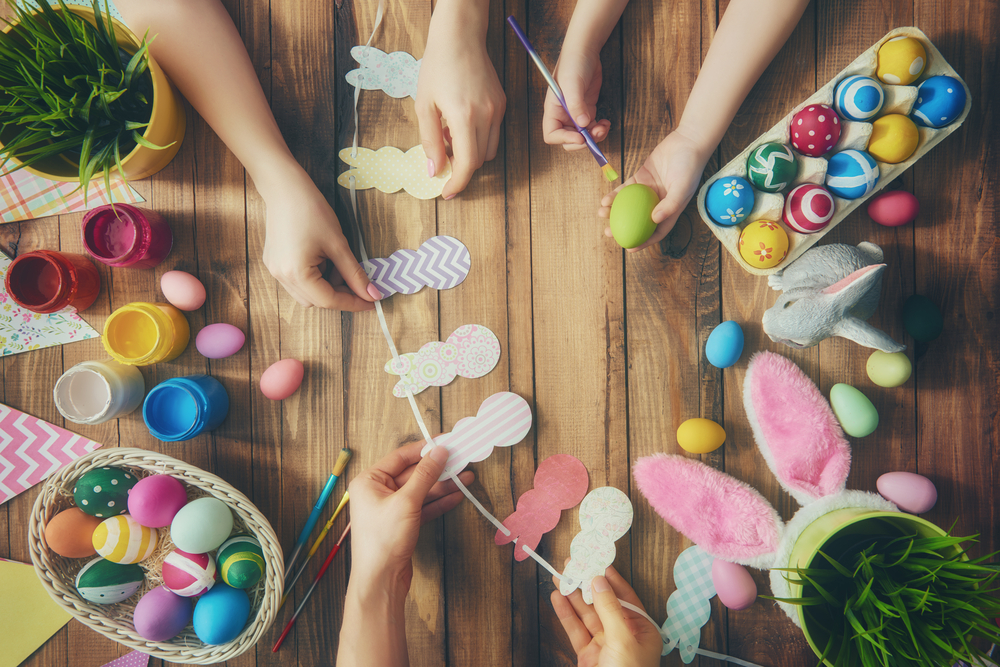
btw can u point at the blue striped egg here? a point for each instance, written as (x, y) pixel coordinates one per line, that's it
(858, 98)
(851, 174)
(940, 100)
(729, 200)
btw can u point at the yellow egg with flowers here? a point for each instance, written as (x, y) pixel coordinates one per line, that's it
(763, 244)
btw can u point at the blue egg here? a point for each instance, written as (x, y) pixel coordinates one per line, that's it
(729, 200)
(858, 98)
(220, 614)
(851, 174)
(940, 100)
(724, 345)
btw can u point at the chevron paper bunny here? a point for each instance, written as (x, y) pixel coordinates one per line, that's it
(605, 516)
(395, 73)
(441, 262)
(803, 445)
(471, 351)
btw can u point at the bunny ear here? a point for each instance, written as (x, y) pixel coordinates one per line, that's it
(719, 513)
(795, 429)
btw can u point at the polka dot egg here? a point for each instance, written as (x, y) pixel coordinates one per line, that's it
(729, 200)
(815, 130)
(858, 98)
(851, 174)
(763, 244)
(771, 167)
(103, 492)
(241, 561)
(940, 101)
(901, 60)
(104, 582)
(808, 208)
(894, 138)
(121, 539)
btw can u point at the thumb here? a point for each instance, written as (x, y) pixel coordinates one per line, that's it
(573, 92)
(426, 475)
(670, 206)
(432, 139)
(609, 610)
(350, 270)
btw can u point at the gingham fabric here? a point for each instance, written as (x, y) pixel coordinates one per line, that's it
(24, 196)
(688, 607)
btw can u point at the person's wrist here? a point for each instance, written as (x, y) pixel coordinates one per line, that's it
(378, 583)
(278, 175)
(702, 144)
(464, 21)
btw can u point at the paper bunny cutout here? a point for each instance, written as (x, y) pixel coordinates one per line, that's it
(389, 170)
(688, 607)
(471, 351)
(396, 73)
(441, 262)
(803, 445)
(605, 516)
(560, 483)
(830, 291)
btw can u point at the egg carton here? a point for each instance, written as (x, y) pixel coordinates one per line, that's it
(854, 135)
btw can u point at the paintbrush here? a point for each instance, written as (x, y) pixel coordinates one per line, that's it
(606, 168)
(315, 547)
(319, 575)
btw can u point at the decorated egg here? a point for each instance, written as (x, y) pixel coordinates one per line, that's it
(122, 539)
(815, 130)
(808, 208)
(763, 243)
(161, 614)
(281, 379)
(218, 341)
(724, 345)
(858, 98)
(182, 290)
(733, 584)
(856, 414)
(893, 208)
(901, 60)
(103, 492)
(220, 614)
(889, 370)
(894, 138)
(632, 215)
(103, 582)
(771, 167)
(700, 436)
(188, 574)
(851, 174)
(201, 525)
(940, 101)
(70, 533)
(729, 200)
(922, 318)
(154, 500)
(911, 492)
(241, 561)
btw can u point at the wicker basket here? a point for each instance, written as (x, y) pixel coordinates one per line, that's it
(58, 574)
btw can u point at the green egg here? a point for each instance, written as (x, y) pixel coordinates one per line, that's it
(631, 215)
(889, 370)
(856, 414)
(922, 318)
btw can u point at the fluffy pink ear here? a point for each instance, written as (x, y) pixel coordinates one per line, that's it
(795, 429)
(719, 513)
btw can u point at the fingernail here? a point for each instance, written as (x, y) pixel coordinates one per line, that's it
(439, 455)
(430, 167)
(451, 196)
(581, 120)
(373, 292)
(600, 585)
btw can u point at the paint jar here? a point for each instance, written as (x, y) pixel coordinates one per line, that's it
(141, 334)
(123, 235)
(47, 281)
(181, 408)
(93, 392)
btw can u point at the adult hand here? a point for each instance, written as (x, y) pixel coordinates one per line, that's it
(579, 75)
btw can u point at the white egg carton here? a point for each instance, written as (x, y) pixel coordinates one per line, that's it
(898, 99)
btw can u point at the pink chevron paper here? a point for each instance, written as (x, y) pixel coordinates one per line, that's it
(133, 659)
(503, 420)
(31, 449)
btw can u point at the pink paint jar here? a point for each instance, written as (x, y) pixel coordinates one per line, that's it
(123, 235)
(46, 281)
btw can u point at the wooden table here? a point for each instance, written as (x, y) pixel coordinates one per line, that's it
(606, 346)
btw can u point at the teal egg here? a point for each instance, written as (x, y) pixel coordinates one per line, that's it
(104, 582)
(922, 318)
(103, 492)
(241, 561)
(632, 215)
(856, 414)
(724, 345)
(220, 614)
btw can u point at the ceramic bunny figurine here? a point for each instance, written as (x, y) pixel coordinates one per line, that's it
(830, 291)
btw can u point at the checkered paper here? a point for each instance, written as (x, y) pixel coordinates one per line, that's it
(688, 607)
(24, 196)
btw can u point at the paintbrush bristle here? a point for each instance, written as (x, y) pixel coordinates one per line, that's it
(610, 173)
(345, 456)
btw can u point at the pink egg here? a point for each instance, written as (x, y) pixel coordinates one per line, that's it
(911, 492)
(894, 208)
(188, 574)
(733, 584)
(281, 379)
(808, 208)
(815, 130)
(161, 615)
(154, 500)
(218, 341)
(182, 290)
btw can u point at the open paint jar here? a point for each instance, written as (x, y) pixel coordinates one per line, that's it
(181, 408)
(141, 334)
(47, 281)
(123, 235)
(93, 392)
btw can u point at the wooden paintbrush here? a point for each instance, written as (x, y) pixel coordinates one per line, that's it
(314, 548)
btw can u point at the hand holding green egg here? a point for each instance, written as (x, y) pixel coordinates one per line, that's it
(632, 215)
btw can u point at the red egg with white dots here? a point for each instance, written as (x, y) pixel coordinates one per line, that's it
(815, 130)
(808, 208)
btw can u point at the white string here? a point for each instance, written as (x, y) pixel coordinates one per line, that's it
(725, 658)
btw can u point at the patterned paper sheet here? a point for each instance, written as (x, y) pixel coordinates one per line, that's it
(24, 196)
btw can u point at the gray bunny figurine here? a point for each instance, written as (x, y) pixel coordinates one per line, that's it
(830, 291)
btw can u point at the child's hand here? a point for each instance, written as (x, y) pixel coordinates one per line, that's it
(606, 634)
(673, 170)
(579, 75)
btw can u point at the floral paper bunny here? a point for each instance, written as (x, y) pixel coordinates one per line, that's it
(605, 516)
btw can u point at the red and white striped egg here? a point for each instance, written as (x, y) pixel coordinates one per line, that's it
(815, 130)
(187, 574)
(808, 208)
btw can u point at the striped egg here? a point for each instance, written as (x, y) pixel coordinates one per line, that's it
(241, 561)
(121, 539)
(858, 98)
(103, 582)
(187, 574)
(851, 174)
(808, 208)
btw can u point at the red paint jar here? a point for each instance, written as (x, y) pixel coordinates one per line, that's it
(46, 281)
(123, 235)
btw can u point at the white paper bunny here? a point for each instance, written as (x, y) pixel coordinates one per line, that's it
(605, 516)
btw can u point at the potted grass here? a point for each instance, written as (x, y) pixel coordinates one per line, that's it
(81, 98)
